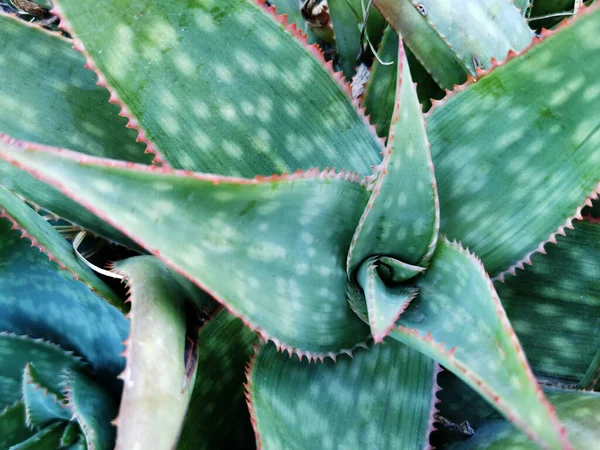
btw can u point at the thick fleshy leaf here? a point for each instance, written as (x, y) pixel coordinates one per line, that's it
(454, 39)
(157, 377)
(46, 439)
(92, 407)
(44, 236)
(347, 19)
(384, 304)
(39, 299)
(380, 94)
(578, 410)
(218, 416)
(42, 404)
(272, 250)
(225, 87)
(13, 428)
(554, 305)
(514, 158)
(291, 8)
(402, 217)
(458, 320)
(17, 351)
(71, 435)
(382, 398)
(54, 100)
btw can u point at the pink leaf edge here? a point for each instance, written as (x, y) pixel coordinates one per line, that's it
(433, 410)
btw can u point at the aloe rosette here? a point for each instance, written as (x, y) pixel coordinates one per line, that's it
(353, 285)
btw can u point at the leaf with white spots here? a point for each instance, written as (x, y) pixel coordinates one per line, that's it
(17, 351)
(44, 236)
(380, 94)
(458, 320)
(402, 217)
(92, 407)
(454, 39)
(383, 398)
(578, 410)
(384, 304)
(517, 153)
(157, 378)
(47, 96)
(218, 416)
(39, 299)
(272, 250)
(554, 306)
(43, 405)
(223, 86)
(12, 425)
(347, 20)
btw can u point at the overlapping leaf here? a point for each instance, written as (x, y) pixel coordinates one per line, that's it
(382, 398)
(454, 39)
(514, 158)
(272, 250)
(13, 428)
(458, 320)
(189, 71)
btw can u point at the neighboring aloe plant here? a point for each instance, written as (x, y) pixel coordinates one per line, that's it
(318, 263)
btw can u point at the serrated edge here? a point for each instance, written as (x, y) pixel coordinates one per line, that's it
(568, 224)
(433, 410)
(28, 379)
(78, 360)
(36, 26)
(67, 390)
(493, 397)
(114, 98)
(248, 392)
(83, 159)
(481, 73)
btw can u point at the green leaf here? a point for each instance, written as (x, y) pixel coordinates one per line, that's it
(514, 157)
(218, 416)
(39, 299)
(54, 100)
(46, 439)
(13, 428)
(554, 305)
(380, 93)
(92, 407)
(347, 20)
(42, 404)
(291, 8)
(458, 320)
(578, 410)
(38, 230)
(382, 398)
(71, 434)
(402, 217)
(453, 39)
(225, 88)
(156, 378)
(384, 304)
(17, 351)
(272, 250)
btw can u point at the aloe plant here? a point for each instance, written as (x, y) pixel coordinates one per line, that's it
(276, 301)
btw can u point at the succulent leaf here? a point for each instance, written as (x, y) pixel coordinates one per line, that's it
(453, 40)
(17, 351)
(226, 235)
(554, 306)
(92, 407)
(266, 84)
(156, 380)
(46, 439)
(347, 20)
(54, 100)
(514, 159)
(48, 240)
(380, 94)
(382, 398)
(401, 219)
(578, 410)
(291, 9)
(42, 404)
(13, 428)
(458, 320)
(217, 416)
(39, 299)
